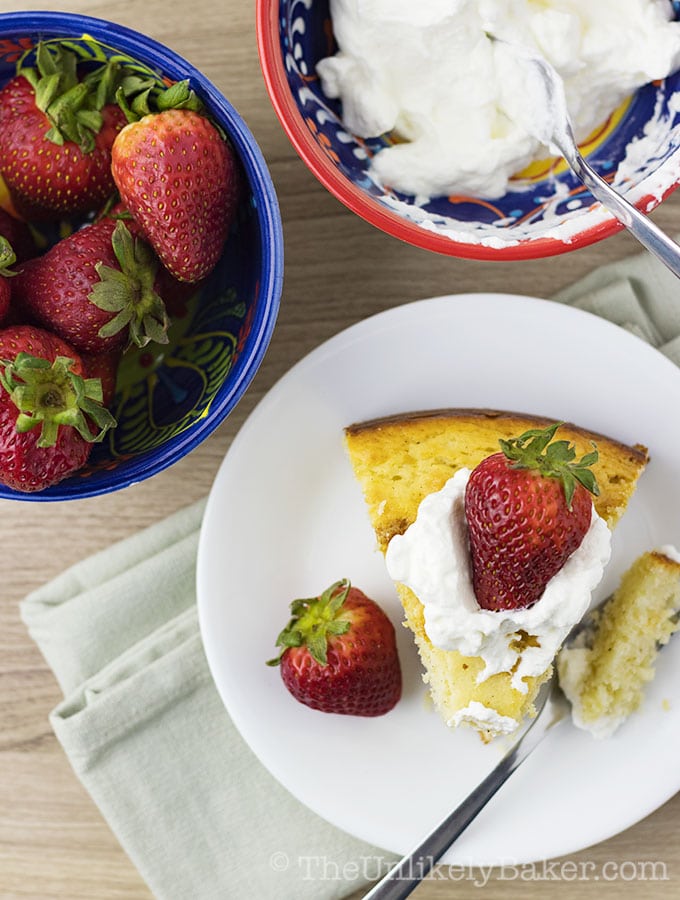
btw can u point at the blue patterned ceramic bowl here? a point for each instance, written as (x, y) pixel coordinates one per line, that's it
(169, 400)
(547, 212)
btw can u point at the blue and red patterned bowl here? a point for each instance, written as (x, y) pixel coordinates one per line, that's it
(170, 399)
(547, 212)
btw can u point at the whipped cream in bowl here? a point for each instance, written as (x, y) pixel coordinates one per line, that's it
(431, 74)
(432, 558)
(397, 68)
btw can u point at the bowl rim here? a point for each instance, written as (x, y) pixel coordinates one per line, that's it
(270, 282)
(365, 206)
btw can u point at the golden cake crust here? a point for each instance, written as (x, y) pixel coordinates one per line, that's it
(411, 455)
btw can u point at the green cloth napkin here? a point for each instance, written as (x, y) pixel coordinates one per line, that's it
(142, 723)
(146, 732)
(638, 293)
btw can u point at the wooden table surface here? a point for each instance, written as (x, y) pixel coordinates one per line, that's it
(53, 841)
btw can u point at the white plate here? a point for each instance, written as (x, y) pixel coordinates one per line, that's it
(285, 518)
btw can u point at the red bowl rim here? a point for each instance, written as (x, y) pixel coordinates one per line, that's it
(271, 63)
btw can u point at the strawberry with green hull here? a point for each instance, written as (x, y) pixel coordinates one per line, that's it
(97, 289)
(527, 509)
(56, 134)
(179, 178)
(339, 654)
(50, 415)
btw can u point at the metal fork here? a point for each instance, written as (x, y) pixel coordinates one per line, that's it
(405, 876)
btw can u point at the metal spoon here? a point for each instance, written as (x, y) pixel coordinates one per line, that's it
(556, 129)
(404, 877)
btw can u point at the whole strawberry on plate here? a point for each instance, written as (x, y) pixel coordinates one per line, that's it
(339, 653)
(97, 289)
(50, 415)
(56, 132)
(527, 509)
(179, 179)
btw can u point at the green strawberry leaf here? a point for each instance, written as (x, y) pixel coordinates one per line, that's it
(116, 324)
(590, 458)
(152, 328)
(72, 103)
(588, 480)
(7, 257)
(535, 449)
(112, 294)
(129, 291)
(317, 646)
(140, 105)
(569, 485)
(49, 396)
(46, 90)
(90, 120)
(179, 96)
(560, 452)
(313, 620)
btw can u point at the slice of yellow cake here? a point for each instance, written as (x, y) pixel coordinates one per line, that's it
(605, 670)
(401, 460)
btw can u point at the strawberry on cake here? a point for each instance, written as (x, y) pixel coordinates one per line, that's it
(496, 529)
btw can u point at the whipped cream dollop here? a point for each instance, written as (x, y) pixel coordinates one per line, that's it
(485, 719)
(432, 558)
(430, 73)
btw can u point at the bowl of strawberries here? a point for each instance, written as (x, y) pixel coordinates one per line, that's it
(141, 256)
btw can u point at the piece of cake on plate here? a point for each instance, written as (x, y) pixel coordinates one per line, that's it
(604, 671)
(484, 666)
